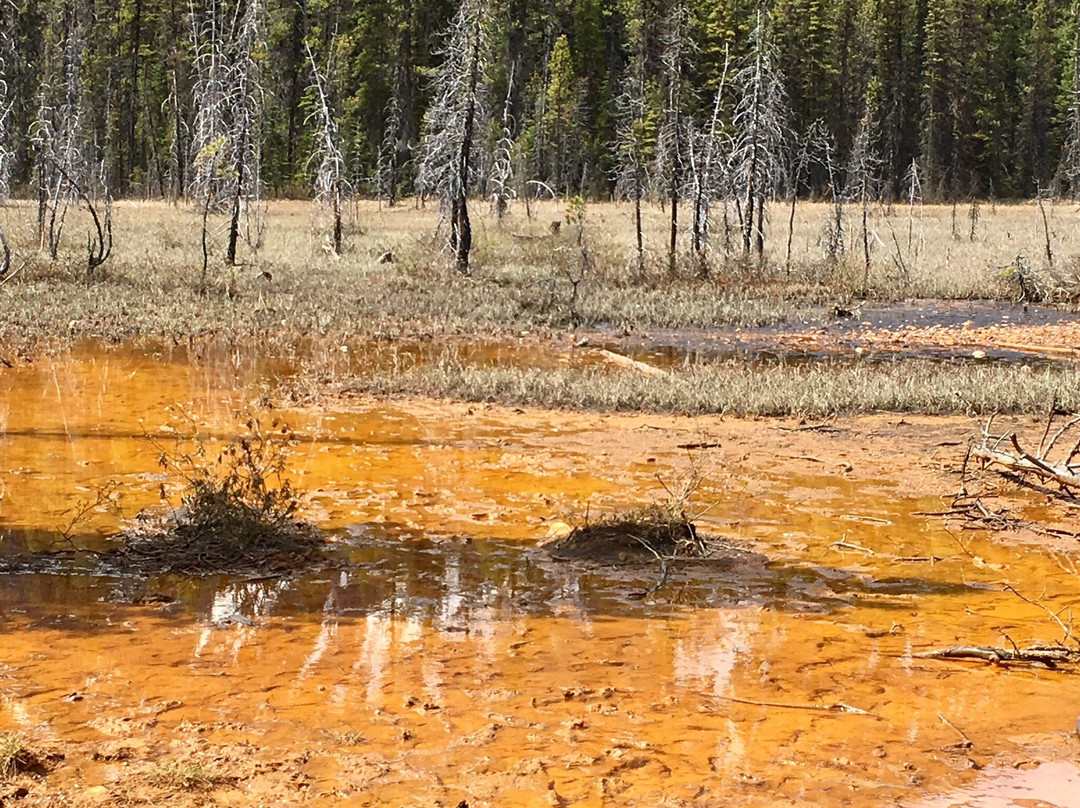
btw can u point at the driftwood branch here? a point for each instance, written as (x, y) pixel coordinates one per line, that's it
(1006, 451)
(838, 707)
(1049, 655)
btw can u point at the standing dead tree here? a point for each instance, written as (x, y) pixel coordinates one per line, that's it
(862, 186)
(330, 186)
(760, 123)
(811, 145)
(388, 169)
(453, 122)
(632, 142)
(57, 132)
(671, 146)
(226, 140)
(8, 57)
(1071, 152)
(708, 153)
(501, 177)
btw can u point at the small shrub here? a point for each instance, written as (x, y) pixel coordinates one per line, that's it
(237, 513)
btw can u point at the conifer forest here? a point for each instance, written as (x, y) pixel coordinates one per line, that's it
(506, 98)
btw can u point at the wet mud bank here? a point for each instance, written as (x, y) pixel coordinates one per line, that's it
(451, 658)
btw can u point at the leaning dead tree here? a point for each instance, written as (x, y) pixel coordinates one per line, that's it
(330, 186)
(453, 123)
(760, 124)
(1006, 451)
(226, 140)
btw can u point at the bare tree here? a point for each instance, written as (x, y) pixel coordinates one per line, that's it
(812, 144)
(8, 57)
(708, 154)
(863, 184)
(632, 142)
(389, 168)
(227, 139)
(671, 147)
(1072, 148)
(57, 132)
(501, 178)
(453, 121)
(330, 186)
(760, 123)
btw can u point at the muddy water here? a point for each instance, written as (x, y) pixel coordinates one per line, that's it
(450, 659)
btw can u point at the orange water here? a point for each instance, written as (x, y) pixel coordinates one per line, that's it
(452, 660)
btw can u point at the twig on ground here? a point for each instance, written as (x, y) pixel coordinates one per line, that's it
(838, 707)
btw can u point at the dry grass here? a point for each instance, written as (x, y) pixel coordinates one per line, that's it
(738, 388)
(13, 755)
(185, 775)
(522, 273)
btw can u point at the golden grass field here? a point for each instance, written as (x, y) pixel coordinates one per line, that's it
(930, 251)
(530, 278)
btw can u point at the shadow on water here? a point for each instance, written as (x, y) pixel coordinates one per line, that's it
(380, 569)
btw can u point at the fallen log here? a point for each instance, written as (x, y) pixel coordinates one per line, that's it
(1022, 462)
(1049, 655)
(631, 364)
(994, 451)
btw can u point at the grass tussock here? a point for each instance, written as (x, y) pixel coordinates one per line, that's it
(17, 757)
(738, 388)
(660, 531)
(190, 776)
(641, 534)
(238, 512)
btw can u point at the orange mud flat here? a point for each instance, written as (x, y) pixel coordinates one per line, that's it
(449, 659)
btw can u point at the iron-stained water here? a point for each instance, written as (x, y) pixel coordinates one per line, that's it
(447, 657)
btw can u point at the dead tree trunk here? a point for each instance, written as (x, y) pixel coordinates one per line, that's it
(452, 123)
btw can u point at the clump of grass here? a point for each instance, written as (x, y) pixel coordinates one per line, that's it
(660, 531)
(15, 756)
(187, 775)
(238, 512)
(651, 532)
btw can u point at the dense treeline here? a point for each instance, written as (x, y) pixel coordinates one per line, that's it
(958, 97)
